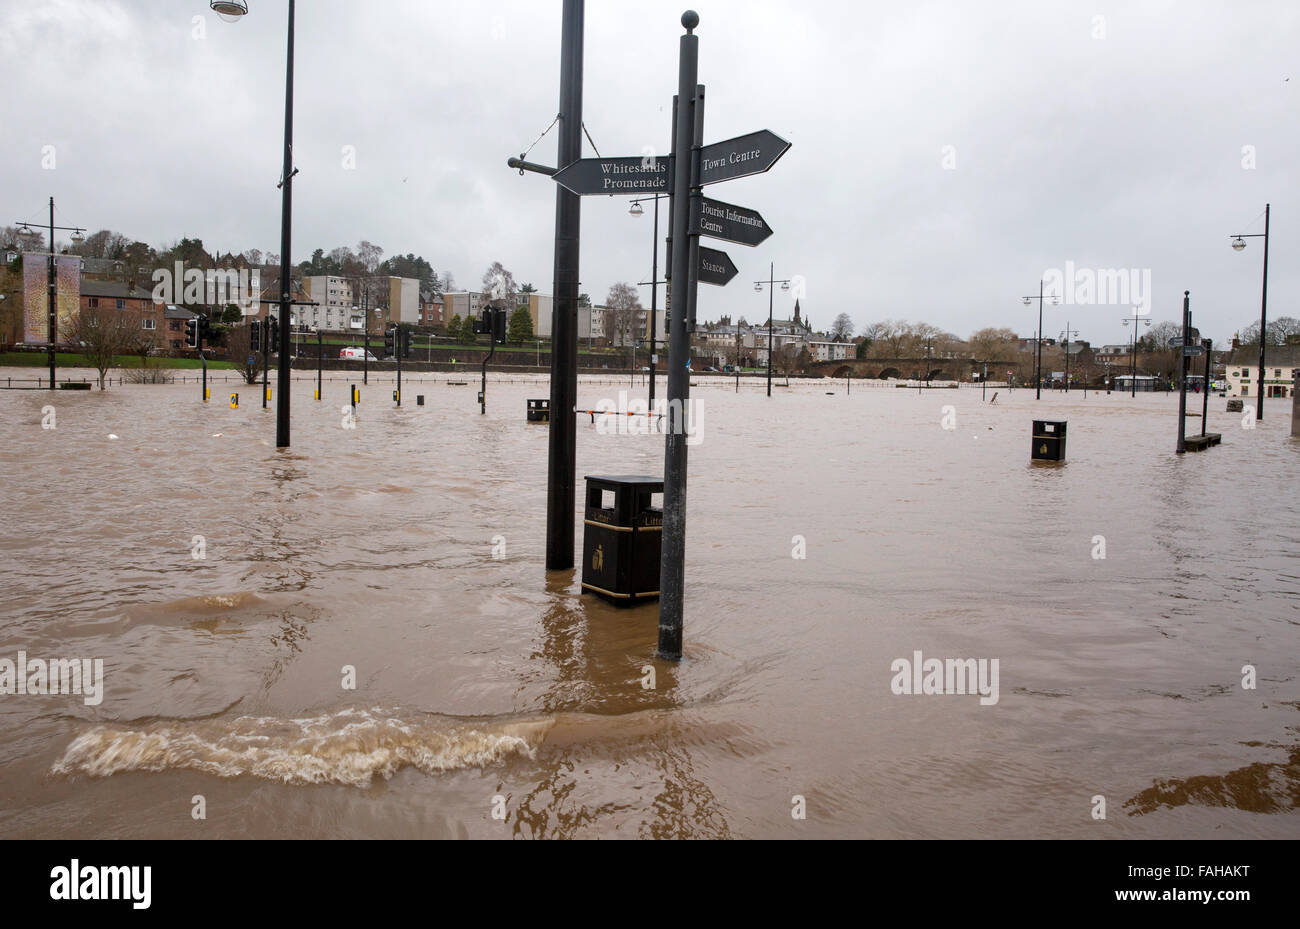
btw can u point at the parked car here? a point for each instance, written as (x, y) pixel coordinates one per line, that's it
(356, 354)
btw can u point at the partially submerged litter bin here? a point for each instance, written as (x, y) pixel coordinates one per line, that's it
(539, 411)
(622, 539)
(1049, 440)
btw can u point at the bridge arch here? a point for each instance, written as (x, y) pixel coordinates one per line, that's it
(891, 373)
(842, 371)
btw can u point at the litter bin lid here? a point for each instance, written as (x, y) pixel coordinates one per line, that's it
(626, 480)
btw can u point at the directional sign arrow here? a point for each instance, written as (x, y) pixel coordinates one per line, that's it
(716, 267)
(741, 157)
(1191, 351)
(1176, 342)
(611, 176)
(733, 223)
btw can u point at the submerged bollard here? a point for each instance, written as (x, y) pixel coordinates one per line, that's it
(1295, 405)
(234, 401)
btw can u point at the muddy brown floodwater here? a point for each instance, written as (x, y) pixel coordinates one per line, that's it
(484, 685)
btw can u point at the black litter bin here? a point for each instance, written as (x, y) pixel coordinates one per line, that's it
(539, 411)
(622, 539)
(1049, 440)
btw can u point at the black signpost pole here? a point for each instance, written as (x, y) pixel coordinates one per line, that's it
(1208, 345)
(1182, 373)
(685, 170)
(562, 456)
(320, 361)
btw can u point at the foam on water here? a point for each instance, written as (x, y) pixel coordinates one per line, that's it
(348, 747)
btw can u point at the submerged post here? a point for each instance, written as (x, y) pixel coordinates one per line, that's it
(1295, 405)
(1182, 373)
(685, 171)
(562, 455)
(1208, 345)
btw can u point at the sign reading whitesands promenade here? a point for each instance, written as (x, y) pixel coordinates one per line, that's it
(732, 223)
(593, 176)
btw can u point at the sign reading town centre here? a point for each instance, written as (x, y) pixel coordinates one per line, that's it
(612, 176)
(741, 156)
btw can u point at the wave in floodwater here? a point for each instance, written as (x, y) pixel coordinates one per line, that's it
(348, 747)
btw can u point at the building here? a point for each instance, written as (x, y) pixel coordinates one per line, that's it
(336, 307)
(173, 338)
(97, 294)
(1112, 354)
(824, 348)
(431, 310)
(403, 303)
(463, 303)
(1242, 370)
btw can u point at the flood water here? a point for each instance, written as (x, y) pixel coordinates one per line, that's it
(484, 684)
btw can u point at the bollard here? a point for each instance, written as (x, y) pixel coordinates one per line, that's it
(234, 401)
(207, 394)
(268, 395)
(1295, 404)
(1049, 440)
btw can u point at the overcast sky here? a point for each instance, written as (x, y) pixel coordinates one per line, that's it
(1112, 143)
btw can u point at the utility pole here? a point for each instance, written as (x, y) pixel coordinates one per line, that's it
(286, 263)
(562, 456)
(1182, 372)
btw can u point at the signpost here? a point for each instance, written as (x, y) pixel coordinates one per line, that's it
(732, 223)
(611, 176)
(742, 156)
(716, 267)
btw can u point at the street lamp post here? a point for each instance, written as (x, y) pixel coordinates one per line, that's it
(1038, 347)
(78, 236)
(1133, 355)
(636, 210)
(771, 283)
(1239, 243)
(1065, 338)
(234, 10)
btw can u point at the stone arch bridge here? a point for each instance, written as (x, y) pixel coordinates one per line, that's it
(903, 369)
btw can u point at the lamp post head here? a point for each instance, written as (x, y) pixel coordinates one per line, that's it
(1238, 244)
(1029, 301)
(636, 209)
(229, 10)
(758, 288)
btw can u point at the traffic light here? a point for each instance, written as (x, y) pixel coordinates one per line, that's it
(255, 328)
(407, 336)
(390, 349)
(492, 323)
(192, 332)
(273, 334)
(205, 328)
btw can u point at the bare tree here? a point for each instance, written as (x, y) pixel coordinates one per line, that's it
(104, 333)
(842, 328)
(499, 288)
(623, 316)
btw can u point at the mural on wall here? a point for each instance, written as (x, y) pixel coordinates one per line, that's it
(36, 284)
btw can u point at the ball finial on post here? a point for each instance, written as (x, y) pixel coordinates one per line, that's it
(690, 19)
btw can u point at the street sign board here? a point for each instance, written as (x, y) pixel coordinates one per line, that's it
(1176, 342)
(1191, 351)
(732, 223)
(716, 267)
(612, 176)
(741, 156)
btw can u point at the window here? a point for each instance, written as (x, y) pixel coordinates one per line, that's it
(94, 303)
(150, 324)
(121, 304)
(1277, 372)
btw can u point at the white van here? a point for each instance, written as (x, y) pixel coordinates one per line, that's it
(356, 354)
